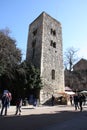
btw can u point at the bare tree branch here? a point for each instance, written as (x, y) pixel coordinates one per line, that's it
(70, 58)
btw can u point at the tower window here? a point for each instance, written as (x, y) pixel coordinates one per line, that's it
(53, 32)
(53, 44)
(33, 43)
(33, 48)
(53, 74)
(34, 32)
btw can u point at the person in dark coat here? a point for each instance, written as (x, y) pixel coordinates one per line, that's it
(52, 100)
(71, 99)
(84, 99)
(80, 101)
(5, 102)
(76, 100)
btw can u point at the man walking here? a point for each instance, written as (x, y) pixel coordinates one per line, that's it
(5, 102)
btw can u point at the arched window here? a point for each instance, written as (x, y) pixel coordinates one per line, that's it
(53, 74)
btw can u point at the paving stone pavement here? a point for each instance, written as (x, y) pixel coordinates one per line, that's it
(45, 118)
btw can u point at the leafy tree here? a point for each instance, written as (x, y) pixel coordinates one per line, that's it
(35, 77)
(19, 78)
(10, 57)
(32, 79)
(27, 80)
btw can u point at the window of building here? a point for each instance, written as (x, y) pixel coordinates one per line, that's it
(34, 32)
(53, 32)
(53, 74)
(53, 44)
(33, 43)
(33, 48)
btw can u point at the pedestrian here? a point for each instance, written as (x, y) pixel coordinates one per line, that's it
(10, 98)
(71, 99)
(5, 102)
(80, 101)
(76, 100)
(18, 106)
(52, 100)
(84, 98)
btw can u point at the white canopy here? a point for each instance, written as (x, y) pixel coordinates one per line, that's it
(84, 91)
(68, 88)
(69, 92)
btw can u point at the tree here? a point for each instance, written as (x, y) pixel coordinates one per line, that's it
(10, 57)
(27, 80)
(16, 76)
(70, 58)
(33, 80)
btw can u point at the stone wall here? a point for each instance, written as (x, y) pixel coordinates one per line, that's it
(76, 80)
(48, 55)
(80, 65)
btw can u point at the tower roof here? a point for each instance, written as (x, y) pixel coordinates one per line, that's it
(45, 14)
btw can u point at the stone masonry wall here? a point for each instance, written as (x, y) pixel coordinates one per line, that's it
(52, 57)
(48, 54)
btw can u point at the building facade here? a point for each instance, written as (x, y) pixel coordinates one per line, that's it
(77, 79)
(80, 65)
(44, 50)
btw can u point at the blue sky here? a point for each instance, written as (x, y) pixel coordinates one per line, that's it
(18, 14)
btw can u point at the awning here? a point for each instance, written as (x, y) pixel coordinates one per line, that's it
(70, 93)
(84, 91)
(68, 88)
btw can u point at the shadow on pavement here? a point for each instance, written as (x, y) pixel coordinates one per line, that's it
(37, 122)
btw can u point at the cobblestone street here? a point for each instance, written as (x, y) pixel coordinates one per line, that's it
(45, 118)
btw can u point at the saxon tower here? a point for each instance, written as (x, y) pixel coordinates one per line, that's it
(44, 50)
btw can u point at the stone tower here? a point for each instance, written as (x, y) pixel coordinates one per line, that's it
(44, 50)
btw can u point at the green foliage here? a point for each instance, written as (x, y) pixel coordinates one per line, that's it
(33, 80)
(10, 58)
(27, 78)
(10, 55)
(15, 76)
